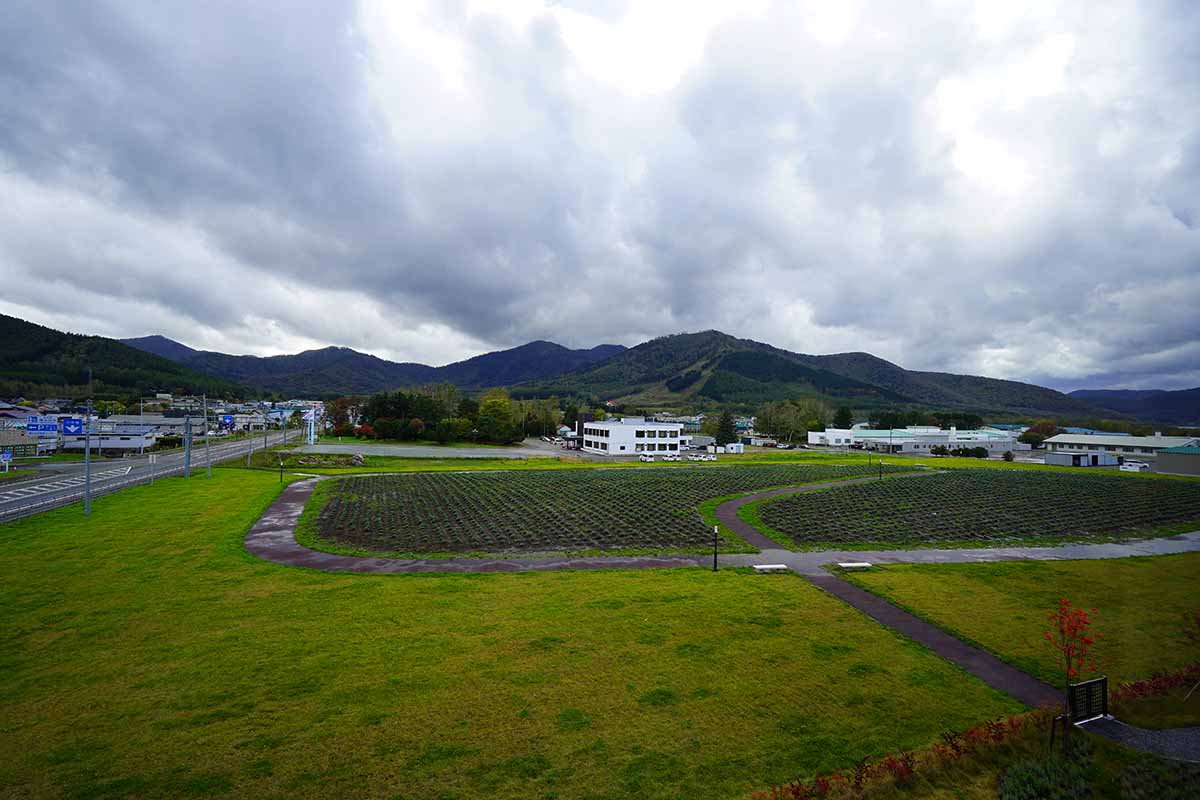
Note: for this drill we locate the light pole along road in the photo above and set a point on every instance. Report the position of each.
(65, 483)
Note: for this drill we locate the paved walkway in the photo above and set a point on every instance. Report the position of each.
(1179, 744)
(273, 539)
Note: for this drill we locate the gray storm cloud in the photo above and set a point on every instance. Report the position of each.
(1014, 197)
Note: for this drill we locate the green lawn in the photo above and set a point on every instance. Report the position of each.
(145, 653)
(1139, 602)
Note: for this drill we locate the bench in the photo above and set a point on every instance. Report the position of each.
(765, 569)
(854, 565)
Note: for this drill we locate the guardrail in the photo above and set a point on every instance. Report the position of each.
(66, 497)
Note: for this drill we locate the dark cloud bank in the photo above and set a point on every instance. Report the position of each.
(1016, 197)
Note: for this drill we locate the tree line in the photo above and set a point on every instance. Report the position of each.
(442, 413)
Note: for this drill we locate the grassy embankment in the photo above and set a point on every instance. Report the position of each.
(146, 653)
(1141, 606)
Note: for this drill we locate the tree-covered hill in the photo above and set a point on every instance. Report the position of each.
(37, 361)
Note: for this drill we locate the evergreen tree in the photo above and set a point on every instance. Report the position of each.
(843, 418)
(726, 432)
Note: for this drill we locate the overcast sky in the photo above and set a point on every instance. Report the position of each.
(1000, 188)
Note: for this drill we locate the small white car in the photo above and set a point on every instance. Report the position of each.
(1135, 466)
(646, 457)
(709, 457)
(670, 457)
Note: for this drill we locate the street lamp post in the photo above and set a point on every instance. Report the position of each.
(187, 447)
(207, 453)
(87, 456)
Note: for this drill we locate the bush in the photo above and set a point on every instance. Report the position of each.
(1008, 455)
(1154, 779)
(1054, 778)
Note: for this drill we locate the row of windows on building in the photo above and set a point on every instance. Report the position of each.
(1110, 448)
(638, 434)
(640, 448)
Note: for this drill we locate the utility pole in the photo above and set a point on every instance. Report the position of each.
(207, 454)
(87, 455)
(187, 447)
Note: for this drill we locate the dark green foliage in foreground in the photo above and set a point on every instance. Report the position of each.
(1056, 778)
(545, 510)
(982, 505)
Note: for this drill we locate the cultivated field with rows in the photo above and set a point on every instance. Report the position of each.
(986, 506)
(577, 510)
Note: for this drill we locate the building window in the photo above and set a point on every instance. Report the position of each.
(640, 448)
(640, 434)
(662, 434)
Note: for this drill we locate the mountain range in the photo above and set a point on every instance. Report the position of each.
(342, 371)
(712, 367)
(1180, 407)
(688, 370)
(36, 361)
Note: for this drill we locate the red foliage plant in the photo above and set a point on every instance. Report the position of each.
(900, 768)
(1071, 637)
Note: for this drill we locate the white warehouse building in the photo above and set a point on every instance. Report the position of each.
(630, 436)
(916, 439)
(1099, 450)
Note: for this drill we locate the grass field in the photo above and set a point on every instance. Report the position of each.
(979, 507)
(145, 653)
(1140, 605)
(621, 510)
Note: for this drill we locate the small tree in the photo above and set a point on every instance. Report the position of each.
(843, 418)
(1008, 455)
(1071, 637)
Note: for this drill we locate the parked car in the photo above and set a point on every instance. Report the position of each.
(709, 457)
(670, 457)
(646, 457)
(1134, 466)
(695, 457)
(783, 446)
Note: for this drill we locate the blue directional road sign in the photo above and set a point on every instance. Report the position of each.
(6, 455)
(226, 419)
(72, 425)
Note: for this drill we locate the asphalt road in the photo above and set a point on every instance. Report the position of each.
(62, 483)
(531, 448)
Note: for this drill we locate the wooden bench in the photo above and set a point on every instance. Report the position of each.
(765, 569)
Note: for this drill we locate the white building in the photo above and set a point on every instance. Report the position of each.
(631, 435)
(112, 436)
(1097, 450)
(916, 439)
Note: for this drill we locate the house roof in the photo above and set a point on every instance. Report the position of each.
(1186, 450)
(1113, 440)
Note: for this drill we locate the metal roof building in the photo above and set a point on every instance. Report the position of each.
(1179, 461)
(1077, 450)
